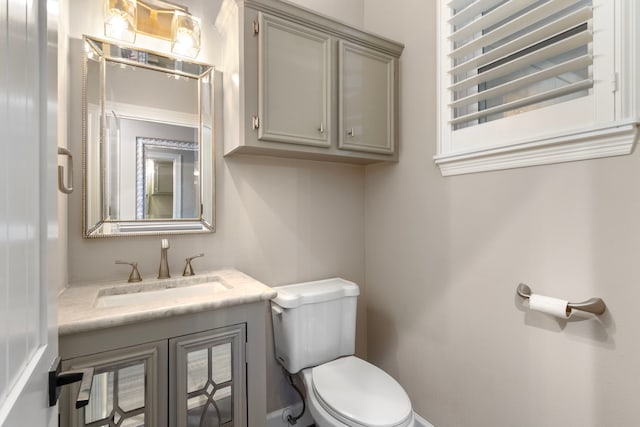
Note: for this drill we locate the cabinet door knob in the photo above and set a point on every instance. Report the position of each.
(321, 128)
(351, 132)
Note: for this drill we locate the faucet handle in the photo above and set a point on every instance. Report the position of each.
(135, 274)
(188, 270)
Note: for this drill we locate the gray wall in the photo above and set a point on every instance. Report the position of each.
(444, 257)
(278, 220)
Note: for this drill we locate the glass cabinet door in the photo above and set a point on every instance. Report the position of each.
(128, 390)
(207, 378)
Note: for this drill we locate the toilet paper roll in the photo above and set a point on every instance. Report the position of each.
(553, 306)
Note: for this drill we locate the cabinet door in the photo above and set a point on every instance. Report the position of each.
(129, 388)
(294, 83)
(366, 100)
(207, 386)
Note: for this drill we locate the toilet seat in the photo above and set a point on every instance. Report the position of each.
(359, 394)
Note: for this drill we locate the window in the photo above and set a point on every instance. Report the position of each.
(527, 82)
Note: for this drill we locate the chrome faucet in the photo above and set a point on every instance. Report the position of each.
(163, 271)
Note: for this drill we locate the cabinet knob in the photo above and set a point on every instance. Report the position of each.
(351, 132)
(321, 128)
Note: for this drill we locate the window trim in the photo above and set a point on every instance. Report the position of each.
(611, 133)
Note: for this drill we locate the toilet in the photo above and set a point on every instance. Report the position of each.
(314, 325)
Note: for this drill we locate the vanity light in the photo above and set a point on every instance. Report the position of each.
(185, 34)
(155, 18)
(120, 19)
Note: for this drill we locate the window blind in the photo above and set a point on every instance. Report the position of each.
(511, 56)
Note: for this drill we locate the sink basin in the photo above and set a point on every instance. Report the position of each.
(160, 291)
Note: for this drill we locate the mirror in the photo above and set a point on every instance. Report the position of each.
(147, 143)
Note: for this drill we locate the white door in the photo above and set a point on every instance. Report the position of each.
(28, 219)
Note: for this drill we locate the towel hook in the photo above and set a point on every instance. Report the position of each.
(592, 305)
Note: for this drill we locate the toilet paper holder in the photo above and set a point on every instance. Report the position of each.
(593, 305)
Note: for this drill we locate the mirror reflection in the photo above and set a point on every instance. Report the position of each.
(148, 143)
(166, 179)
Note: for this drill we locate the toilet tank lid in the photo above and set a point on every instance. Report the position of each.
(297, 294)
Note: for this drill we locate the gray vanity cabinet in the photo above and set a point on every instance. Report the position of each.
(129, 387)
(208, 378)
(191, 380)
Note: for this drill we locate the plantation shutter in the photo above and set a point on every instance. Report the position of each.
(507, 57)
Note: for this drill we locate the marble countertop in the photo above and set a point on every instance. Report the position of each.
(78, 310)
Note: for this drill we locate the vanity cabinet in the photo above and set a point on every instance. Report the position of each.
(201, 376)
(208, 378)
(177, 371)
(129, 387)
(306, 86)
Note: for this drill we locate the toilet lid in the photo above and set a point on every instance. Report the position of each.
(360, 393)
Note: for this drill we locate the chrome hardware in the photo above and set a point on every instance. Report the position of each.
(163, 271)
(188, 269)
(321, 128)
(593, 305)
(351, 132)
(63, 188)
(135, 274)
(255, 122)
(58, 379)
(256, 28)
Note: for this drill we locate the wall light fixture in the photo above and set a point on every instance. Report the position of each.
(123, 19)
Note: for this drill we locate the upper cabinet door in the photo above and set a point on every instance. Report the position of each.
(367, 99)
(294, 83)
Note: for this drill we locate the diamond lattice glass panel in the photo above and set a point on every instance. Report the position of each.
(101, 398)
(116, 417)
(197, 370)
(135, 421)
(200, 414)
(131, 390)
(221, 362)
(223, 400)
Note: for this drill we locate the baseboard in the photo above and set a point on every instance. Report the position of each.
(275, 418)
(421, 422)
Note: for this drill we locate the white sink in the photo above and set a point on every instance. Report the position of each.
(159, 291)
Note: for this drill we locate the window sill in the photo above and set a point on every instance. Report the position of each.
(614, 139)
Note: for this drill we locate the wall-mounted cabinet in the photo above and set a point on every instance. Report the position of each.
(294, 83)
(299, 84)
(366, 99)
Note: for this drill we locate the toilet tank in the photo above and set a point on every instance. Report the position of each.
(314, 322)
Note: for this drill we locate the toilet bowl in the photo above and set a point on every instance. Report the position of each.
(314, 335)
(351, 392)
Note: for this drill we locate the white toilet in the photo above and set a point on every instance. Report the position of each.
(314, 325)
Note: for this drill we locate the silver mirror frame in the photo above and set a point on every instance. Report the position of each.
(167, 64)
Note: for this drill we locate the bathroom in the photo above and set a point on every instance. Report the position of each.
(437, 258)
